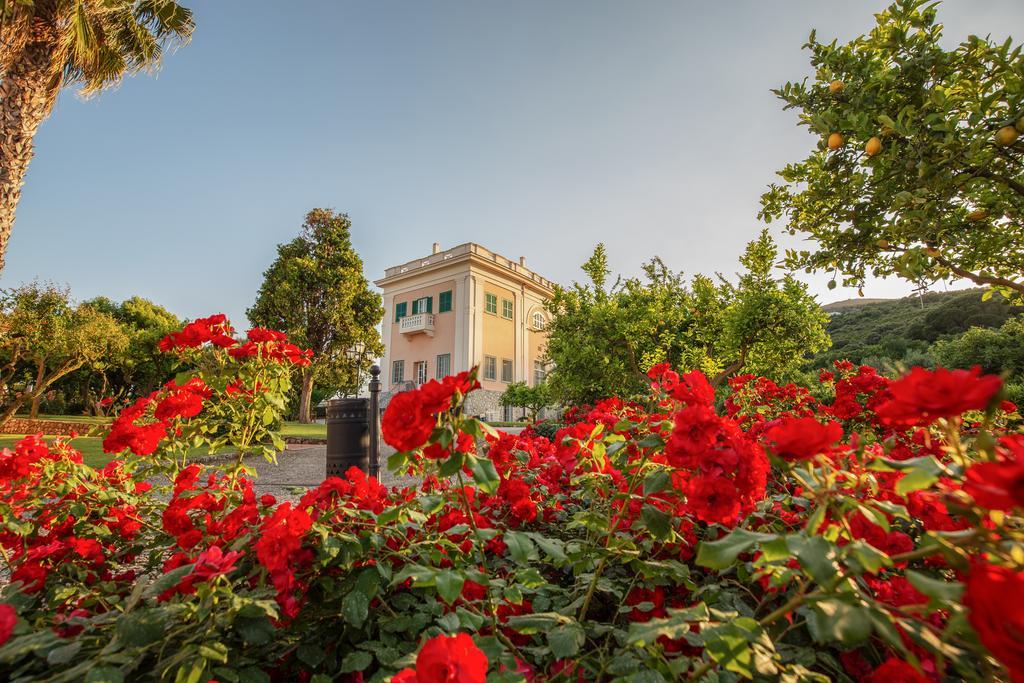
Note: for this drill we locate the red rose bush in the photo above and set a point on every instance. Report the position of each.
(761, 533)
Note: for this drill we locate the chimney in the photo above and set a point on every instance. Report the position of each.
(437, 248)
(522, 261)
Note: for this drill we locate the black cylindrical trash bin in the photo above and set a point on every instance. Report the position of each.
(348, 435)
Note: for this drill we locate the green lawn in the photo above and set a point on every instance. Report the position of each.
(92, 446)
(89, 419)
(303, 431)
(293, 429)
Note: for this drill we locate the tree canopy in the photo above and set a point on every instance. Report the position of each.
(602, 340)
(919, 166)
(44, 336)
(522, 395)
(316, 292)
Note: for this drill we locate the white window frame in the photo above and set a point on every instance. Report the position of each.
(507, 306)
(507, 363)
(443, 369)
(539, 373)
(488, 300)
(399, 376)
(420, 371)
(491, 368)
(538, 320)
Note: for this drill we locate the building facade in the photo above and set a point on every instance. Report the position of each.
(463, 307)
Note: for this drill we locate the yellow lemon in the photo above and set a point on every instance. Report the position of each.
(1006, 136)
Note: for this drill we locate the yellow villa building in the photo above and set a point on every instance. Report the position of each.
(464, 306)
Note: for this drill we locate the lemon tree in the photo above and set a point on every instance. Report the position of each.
(919, 168)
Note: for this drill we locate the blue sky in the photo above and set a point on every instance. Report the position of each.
(535, 128)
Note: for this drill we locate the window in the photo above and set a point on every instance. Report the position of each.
(444, 365)
(397, 371)
(491, 303)
(400, 310)
(422, 305)
(444, 302)
(538, 373)
(420, 368)
(538, 321)
(506, 370)
(506, 309)
(490, 368)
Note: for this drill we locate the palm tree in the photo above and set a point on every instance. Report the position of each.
(46, 45)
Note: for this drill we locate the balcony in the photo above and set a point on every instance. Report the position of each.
(417, 323)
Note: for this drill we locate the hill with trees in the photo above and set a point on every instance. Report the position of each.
(888, 333)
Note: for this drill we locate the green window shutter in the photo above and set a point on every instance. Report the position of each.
(444, 302)
(415, 306)
(400, 310)
(430, 304)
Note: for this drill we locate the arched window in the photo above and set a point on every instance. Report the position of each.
(538, 321)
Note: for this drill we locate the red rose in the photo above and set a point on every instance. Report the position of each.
(8, 619)
(694, 433)
(450, 659)
(802, 438)
(185, 401)
(923, 396)
(895, 670)
(714, 500)
(405, 425)
(995, 597)
(464, 382)
(261, 334)
(996, 485)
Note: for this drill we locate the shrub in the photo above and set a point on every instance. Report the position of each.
(876, 536)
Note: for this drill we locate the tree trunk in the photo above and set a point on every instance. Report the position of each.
(731, 370)
(27, 93)
(306, 397)
(36, 394)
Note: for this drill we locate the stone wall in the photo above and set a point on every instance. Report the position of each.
(480, 402)
(22, 425)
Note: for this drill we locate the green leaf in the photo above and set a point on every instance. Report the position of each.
(520, 547)
(167, 581)
(657, 522)
(920, 477)
(104, 674)
(485, 476)
(63, 654)
(657, 481)
(816, 555)
(730, 644)
(946, 591)
(534, 623)
(449, 585)
(723, 552)
(356, 661)
(311, 654)
(565, 640)
(355, 608)
(141, 627)
(254, 630)
(918, 473)
(552, 547)
(834, 620)
(675, 626)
